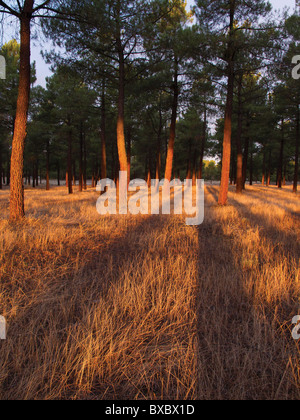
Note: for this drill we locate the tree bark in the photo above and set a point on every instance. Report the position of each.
(158, 148)
(203, 143)
(189, 162)
(121, 103)
(171, 144)
(269, 169)
(223, 196)
(58, 173)
(194, 176)
(128, 152)
(239, 146)
(17, 210)
(246, 153)
(48, 167)
(103, 134)
(280, 164)
(84, 163)
(81, 158)
(70, 184)
(264, 168)
(295, 186)
(1, 169)
(251, 164)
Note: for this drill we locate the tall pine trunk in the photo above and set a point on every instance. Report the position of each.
(223, 196)
(129, 154)
(203, 143)
(103, 134)
(280, 164)
(264, 168)
(246, 152)
(158, 147)
(121, 105)
(48, 166)
(70, 177)
(239, 146)
(17, 210)
(81, 158)
(1, 169)
(171, 144)
(295, 186)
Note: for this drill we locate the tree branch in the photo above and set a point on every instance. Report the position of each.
(41, 6)
(10, 10)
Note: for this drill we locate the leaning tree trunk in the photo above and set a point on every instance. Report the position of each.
(295, 187)
(17, 210)
(171, 144)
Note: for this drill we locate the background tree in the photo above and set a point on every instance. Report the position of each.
(220, 23)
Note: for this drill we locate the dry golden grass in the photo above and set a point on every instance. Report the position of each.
(146, 307)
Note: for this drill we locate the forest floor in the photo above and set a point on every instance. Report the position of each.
(145, 307)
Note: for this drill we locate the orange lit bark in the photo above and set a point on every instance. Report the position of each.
(226, 160)
(17, 210)
(48, 167)
(295, 186)
(121, 101)
(70, 184)
(280, 165)
(239, 172)
(81, 158)
(158, 150)
(170, 153)
(223, 196)
(203, 143)
(103, 135)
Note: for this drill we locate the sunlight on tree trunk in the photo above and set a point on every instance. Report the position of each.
(17, 211)
(171, 144)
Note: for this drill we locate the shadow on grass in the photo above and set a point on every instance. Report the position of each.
(75, 294)
(242, 355)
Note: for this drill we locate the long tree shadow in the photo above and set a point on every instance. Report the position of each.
(285, 241)
(240, 354)
(281, 205)
(78, 296)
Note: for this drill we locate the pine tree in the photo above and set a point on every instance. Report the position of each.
(220, 23)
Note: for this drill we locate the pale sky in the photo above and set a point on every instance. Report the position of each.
(43, 70)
